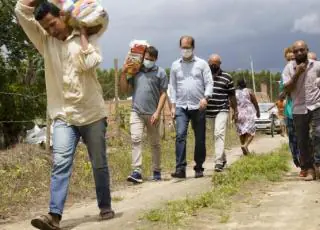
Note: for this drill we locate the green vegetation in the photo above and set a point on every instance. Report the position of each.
(254, 168)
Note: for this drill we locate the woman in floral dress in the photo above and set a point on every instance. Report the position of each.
(248, 110)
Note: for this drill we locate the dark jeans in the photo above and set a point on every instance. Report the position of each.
(293, 141)
(65, 140)
(309, 149)
(198, 121)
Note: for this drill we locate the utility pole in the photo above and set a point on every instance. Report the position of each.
(271, 88)
(116, 94)
(48, 133)
(253, 78)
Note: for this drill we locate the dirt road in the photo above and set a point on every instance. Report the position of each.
(136, 199)
(288, 205)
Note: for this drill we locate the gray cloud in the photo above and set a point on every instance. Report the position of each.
(235, 29)
(309, 24)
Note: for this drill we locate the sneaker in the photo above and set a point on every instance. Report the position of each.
(179, 174)
(135, 177)
(311, 175)
(303, 173)
(218, 168)
(199, 174)
(156, 176)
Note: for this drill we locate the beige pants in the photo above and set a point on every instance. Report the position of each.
(219, 124)
(137, 124)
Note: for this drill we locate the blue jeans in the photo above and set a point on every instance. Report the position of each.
(65, 140)
(293, 141)
(198, 121)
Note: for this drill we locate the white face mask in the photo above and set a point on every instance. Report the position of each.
(186, 53)
(148, 64)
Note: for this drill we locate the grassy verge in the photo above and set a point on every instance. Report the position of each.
(269, 167)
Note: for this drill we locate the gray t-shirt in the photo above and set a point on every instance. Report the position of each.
(147, 86)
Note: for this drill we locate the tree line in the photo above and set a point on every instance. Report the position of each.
(22, 82)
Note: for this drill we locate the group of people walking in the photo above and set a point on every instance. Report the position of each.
(200, 91)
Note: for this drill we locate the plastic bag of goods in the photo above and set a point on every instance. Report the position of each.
(135, 56)
(87, 13)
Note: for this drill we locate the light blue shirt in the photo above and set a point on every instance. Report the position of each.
(190, 81)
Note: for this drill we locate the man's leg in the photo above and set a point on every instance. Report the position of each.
(301, 122)
(182, 122)
(136, 129)
(293, 142)
(219, 134)
(154, 139)
(65, 140)
(94, 136)
(316, 136)
(198, 119)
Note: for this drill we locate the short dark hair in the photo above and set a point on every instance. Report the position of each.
(242, 83)
(189, 38)
(152, 51)
(45, 8)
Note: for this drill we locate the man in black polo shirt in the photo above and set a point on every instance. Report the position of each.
(218, 108)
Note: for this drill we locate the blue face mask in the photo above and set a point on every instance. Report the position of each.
(148, 64)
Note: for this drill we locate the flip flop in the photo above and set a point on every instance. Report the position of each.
(44, 222)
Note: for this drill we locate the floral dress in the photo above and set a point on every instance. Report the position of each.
(246, 113)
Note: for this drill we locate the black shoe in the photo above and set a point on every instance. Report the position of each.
(224, 163)
(179, 174)
(218, 168)
(198, 174)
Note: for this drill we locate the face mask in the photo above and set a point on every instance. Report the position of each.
(148, 64)
(186, 53)
(214, 69)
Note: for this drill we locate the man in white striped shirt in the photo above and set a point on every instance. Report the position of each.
(218, 108)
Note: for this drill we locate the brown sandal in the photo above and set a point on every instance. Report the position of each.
(44, 222)
(106, 215)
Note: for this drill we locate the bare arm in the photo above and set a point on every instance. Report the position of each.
(162, 101)
(156, 116)
(233, 103)
(255, 103)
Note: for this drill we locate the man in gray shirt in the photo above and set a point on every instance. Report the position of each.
(191, 85)
(300, 79)
(149, 88)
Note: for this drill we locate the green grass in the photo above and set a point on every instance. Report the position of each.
(25, 170)
(269, 167)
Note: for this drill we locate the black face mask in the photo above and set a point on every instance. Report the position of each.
(214, 69)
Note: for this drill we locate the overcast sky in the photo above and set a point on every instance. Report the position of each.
(235, 29)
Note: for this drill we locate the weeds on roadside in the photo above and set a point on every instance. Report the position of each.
(268, 167)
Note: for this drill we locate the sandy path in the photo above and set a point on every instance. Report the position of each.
(136, 199)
